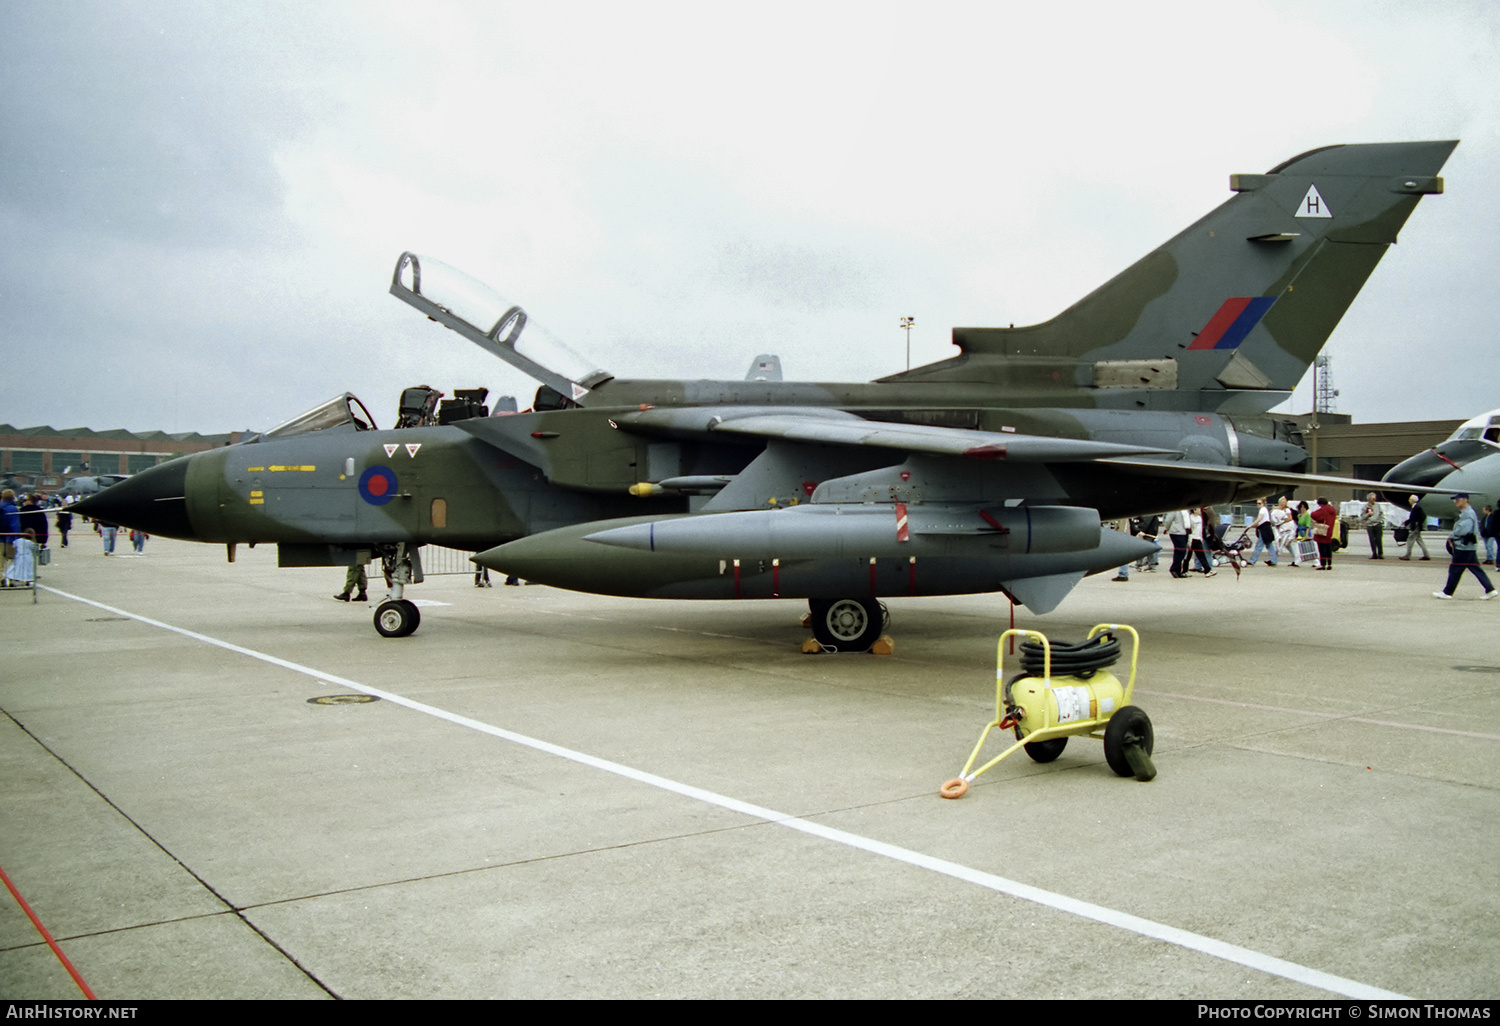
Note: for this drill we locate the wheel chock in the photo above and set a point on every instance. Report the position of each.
(811, 646)
(1140, 762)
(884, 645)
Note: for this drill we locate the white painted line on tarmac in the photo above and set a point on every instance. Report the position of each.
(1061, 902)
(1322, 715)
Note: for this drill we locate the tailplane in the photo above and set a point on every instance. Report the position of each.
(1227, 315)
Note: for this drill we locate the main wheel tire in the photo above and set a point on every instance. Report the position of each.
(846, 624)
(1129, 726)
(396, 619)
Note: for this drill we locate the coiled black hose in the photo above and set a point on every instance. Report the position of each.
(1071, 660)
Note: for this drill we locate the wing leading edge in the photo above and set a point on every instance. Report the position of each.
(836, 427)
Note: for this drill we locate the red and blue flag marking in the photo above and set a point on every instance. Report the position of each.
(1235, 320)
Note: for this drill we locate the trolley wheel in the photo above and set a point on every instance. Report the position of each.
(397, 619)
(1128, 741)
(1040, 751)
(1046, 751)
(955, 788)
(846, 624)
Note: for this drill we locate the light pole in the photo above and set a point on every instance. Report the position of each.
(907, 322)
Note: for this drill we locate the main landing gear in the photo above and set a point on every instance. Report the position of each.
(846, 624)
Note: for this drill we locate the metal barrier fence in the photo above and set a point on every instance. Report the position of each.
(438, 560)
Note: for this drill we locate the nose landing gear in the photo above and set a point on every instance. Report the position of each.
(396, 618)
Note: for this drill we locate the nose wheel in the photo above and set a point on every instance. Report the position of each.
(397, 618)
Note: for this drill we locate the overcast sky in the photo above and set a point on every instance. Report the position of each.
(202, 203)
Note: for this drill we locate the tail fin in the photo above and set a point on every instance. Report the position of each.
(765, 367)
(1228, 315)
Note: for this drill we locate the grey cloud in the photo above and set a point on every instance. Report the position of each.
(136, 121)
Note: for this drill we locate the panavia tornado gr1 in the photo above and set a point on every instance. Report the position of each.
(987, 472)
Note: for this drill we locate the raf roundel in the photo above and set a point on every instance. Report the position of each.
(377, 485)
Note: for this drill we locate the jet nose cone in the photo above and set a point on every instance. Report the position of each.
(1426, 468)
(154, 501)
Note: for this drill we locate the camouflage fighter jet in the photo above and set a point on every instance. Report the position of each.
(990, 471)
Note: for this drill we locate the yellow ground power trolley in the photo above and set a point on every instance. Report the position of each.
(1044, 711)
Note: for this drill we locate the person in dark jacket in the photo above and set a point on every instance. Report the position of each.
(64, 525)
(33, 516)
(1414, 525)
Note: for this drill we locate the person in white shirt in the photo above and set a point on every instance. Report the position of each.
(1265, 535)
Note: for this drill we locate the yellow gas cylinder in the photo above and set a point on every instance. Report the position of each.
(1069, 700)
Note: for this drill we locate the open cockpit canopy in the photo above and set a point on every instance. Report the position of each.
(490, 321)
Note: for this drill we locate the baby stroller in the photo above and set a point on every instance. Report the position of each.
(1235, 552)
